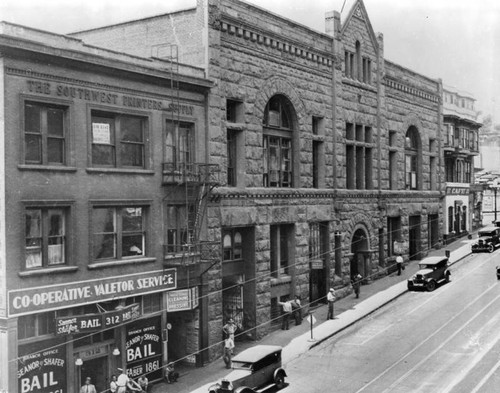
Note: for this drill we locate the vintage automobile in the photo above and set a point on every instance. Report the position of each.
(489, 239)
(256, 368)
(433, 271)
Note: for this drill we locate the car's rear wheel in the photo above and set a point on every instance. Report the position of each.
(279, 380)
(431, 285)
(491, 248)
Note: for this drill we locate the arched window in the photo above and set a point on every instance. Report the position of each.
(358, 72)
(412, 159)
(277, 142)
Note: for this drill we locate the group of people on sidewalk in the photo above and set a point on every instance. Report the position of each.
(291, 308)
(123, 383)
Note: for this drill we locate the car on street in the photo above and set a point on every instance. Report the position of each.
(489, 240)
(432, 271)
(256, 368)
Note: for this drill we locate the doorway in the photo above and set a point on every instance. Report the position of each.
(97, 369)
(359, 249)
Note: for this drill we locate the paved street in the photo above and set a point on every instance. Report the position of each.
(444, 341)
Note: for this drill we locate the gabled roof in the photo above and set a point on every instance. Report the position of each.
(358, 10)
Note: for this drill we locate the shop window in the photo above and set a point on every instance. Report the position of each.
(35, 325)
(281, 239)
(179, 145)
(118, 232)
(45, 134)
(277, 142)
(180, 227)
(45, 237)
(149, 303)
(118, 140)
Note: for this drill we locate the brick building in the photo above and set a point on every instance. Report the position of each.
(331, 157)
(87, 182)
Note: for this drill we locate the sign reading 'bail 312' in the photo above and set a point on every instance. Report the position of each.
(93, 322)
(53, 297)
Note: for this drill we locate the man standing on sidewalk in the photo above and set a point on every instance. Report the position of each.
(286, 312)
(331, 299)
(399, 263)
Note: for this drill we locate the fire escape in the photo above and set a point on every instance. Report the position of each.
(188, 182)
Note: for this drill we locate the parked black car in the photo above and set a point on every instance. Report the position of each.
(433, 271)
(489, 240)
(256, 368)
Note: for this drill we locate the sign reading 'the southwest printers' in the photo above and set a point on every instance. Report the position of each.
(53, 297)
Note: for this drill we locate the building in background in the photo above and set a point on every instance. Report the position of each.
(462, 203)
(90, 209)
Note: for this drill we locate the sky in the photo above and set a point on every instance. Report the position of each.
(455, 40)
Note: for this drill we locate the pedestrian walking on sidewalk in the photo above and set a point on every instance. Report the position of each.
(297, 310)
(356, 284)
(399, 263)
(285, 314)
(331, 299)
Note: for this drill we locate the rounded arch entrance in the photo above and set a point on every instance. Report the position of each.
(360, 250)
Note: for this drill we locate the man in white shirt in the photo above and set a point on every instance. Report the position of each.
(331, 299)
(399, 263)
(287, 311)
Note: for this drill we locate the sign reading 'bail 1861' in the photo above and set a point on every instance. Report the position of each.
(143, 348)
(41, 367)
(93, 322)
(53, 297)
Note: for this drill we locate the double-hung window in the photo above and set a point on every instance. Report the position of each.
(45, 237)
(179, 144)
(45, 134)
(180, 227)
(119, 232)
(118, 140)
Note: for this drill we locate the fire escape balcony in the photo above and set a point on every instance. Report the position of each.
(190, 173)
(193, 256)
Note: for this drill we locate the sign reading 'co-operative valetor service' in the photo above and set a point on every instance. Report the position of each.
(52, 297)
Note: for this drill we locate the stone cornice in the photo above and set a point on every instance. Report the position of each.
(294, 193)
(277, 42)
(408, 89)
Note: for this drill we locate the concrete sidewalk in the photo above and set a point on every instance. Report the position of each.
(297, 340)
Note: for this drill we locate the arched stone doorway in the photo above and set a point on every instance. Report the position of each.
(360, 249)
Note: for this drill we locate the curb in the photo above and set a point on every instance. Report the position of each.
(323, 339)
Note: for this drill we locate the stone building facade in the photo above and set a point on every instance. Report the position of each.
(331, 157)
